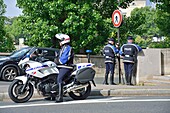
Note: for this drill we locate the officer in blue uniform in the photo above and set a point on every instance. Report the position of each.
(64, 60)
(129, 52)
(109, 52)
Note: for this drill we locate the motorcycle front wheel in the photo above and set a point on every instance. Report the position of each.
(81, 94)
(15, 93)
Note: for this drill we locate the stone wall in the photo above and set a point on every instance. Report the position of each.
(165, 61)
(151, 62)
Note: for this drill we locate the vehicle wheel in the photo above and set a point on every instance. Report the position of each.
(15, 94)
(81, 94)
(9, 73)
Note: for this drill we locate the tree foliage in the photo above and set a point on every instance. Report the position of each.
(163, 5)
(141, 25)
(163, 23)
(163, 16)
(86, 22)
(142, 22)
(145, 23)
(13, 26)
(2, 18)
(6, 41)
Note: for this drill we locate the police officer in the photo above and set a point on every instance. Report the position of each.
(64, 60)
(109, 52)
(129, 52)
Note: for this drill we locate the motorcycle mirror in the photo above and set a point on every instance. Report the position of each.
(44, 52)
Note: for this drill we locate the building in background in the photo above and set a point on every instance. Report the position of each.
(137, 4)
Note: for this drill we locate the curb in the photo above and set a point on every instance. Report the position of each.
(131, 92)
(116, 92)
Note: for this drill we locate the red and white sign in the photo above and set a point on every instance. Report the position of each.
(117, 18)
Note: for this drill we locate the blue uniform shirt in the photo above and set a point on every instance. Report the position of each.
(138, 47)
(130, 51)
(109, 52)
(65, 54)
(113, 48)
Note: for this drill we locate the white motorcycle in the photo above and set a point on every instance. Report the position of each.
(41, 74)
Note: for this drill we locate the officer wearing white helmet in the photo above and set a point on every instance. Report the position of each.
(64, 60)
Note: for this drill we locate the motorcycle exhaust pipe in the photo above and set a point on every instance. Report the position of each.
(76, 87)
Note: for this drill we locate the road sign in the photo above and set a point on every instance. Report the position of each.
(117, 18)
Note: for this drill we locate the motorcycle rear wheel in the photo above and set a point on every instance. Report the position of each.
(81, 94)
(15, 94)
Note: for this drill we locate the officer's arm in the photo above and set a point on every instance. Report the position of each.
(121, 51)
(65, 55)
(139, 48)
(103, 53)
(116, 50)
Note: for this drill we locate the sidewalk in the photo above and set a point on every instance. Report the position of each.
(123, 90)
(158, 86)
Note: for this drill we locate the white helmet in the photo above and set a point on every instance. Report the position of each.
(63, 38)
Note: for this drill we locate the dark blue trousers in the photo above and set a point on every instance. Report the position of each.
(62, 73)
(110, 68)
(128, 71)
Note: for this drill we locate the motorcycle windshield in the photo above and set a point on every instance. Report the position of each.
(28, 55)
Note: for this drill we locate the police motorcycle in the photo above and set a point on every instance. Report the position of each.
(40, 74)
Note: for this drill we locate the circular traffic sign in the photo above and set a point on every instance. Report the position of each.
(117, 18)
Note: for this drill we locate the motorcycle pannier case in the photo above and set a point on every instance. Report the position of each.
(85, 74)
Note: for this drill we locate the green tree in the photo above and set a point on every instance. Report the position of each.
(85, 21)
(6, 40)
(163, 5)
(142, 22)
(163, 22)
(163, 16)
(2, 18)
(14, 28)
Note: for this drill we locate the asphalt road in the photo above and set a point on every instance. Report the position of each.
(91, 105)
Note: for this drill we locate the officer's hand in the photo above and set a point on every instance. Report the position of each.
(56, 60)
(121, 57)
(117, 45)
(118, 55)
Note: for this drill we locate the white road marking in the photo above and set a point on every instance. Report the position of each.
(108, 100)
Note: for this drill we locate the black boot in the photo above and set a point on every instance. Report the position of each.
(127, 80)
(105, 80)
(112, 79)
(59, 98)
(130, 80)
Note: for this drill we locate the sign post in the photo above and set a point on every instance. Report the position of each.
(117, 19)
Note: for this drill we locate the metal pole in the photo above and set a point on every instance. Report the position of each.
(118, 36)
(88, 55)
